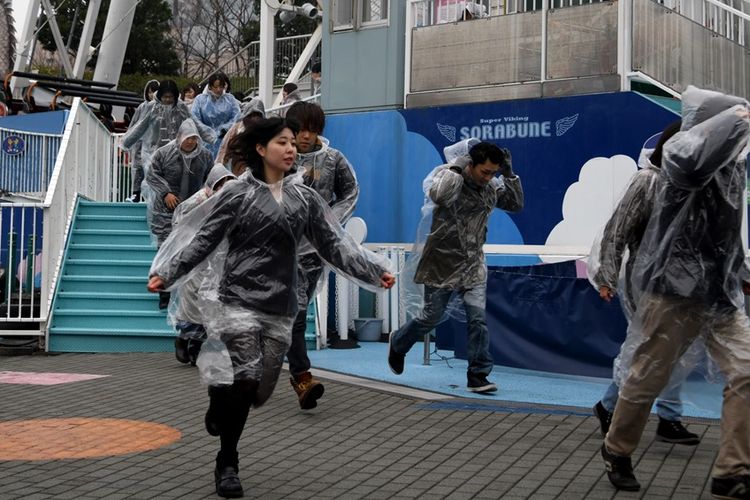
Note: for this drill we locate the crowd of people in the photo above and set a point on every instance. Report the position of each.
(247, 213)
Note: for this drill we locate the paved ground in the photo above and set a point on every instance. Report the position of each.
(361, 442)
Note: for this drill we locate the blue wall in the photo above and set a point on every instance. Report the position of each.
(392, 152)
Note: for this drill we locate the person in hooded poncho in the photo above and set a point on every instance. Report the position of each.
(462, 194)
(149, 92)
(328, 172)
(216, 108)
(262, 218)
(178, 170)
(250, 111)
(687, 283)
(158, 124)
(621, 238)
(188, 318)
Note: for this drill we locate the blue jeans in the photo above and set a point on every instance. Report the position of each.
(435, 303)
(668, 405)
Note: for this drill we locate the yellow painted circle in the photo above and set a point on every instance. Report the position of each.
(56, 438)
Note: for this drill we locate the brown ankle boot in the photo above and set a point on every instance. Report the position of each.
(308, 390)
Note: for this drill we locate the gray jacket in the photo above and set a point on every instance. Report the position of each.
(172, 171)
(453, 255)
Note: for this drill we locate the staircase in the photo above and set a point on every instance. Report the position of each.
(101, 304)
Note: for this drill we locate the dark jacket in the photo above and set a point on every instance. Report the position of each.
(453, 255)
(261, 265)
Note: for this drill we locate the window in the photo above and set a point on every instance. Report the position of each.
(374, 11)
(355, 14)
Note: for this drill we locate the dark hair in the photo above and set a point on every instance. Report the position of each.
(668, 132)
(220, 76)
(289, 87)
(484, 151)
(152, 86)
(308, 116)
(190, 86)
(259, 131)
(315, 68)
(168, 87)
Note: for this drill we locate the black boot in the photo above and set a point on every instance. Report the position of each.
(620, 471)
(164, 300)
(225, 475)
(181, 351)
(193, 350)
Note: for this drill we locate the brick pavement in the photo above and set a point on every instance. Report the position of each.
(359, 443)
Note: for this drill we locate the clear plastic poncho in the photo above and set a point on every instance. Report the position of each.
(262, 226)
(216, 112)
(687, 273)
(186, 304)
(158, 124)
(448, 251)
(255, 105)
(181, 173)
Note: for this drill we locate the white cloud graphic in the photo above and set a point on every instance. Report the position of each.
(589, 202)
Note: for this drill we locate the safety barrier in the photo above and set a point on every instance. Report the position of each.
(27, 160)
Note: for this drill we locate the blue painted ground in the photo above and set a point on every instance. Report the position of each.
(448, 376)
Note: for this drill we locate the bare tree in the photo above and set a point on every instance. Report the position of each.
(208, 33)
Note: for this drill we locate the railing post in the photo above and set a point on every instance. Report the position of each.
(543, 70)
(624, 42)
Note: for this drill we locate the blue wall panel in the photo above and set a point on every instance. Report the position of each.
(551, 139)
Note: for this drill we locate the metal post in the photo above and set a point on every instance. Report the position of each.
(624, 42)
(24, 46)
(410, 5)
(267, 42)
(543, 69)
(115, 41)
(62, 52)
(342, 307)
(82, 56)
(12, 261)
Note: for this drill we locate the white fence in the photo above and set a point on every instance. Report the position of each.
(32, 235)
(727, 18)
(27, 160)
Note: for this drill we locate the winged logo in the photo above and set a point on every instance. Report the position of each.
(564, 124)
(447, 131)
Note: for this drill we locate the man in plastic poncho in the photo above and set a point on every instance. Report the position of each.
(329, 173)
(159, 123)
(464, 194)
(620, 240)
(188, 319)
(177, 171)
(688, 281)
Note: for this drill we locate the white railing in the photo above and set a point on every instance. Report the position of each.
(120, 164)
(82, 169)
(281, 110)
(243, 67)
(725, 17)
(27, 160)
(21, 259)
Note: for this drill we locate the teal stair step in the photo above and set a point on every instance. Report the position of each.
(121, 332)
(114, 221)
(93, 343)
(111, 252)
(104, 208)
(111, 236)
(109, 320)
(98, 267)
(98, 284)
(130, 302)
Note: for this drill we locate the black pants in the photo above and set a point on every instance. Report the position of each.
(297, 354)
(231, 405)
